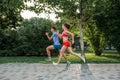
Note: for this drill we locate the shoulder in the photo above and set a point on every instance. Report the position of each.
(66, 31)
(54, 33)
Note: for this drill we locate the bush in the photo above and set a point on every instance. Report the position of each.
(10, 39)
(27, 40)
(34, 34)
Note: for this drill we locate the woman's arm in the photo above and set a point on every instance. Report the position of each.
(72, 35)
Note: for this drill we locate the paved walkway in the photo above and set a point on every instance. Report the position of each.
(37, 71)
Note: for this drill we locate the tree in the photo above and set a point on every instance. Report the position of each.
(77, 13)
(9, 18)
(95, 38)
(109, 20)
(10, 13)
(113, 24)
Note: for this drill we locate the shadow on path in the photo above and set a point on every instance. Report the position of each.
(85, 73)
(82, 73)
(60, 74)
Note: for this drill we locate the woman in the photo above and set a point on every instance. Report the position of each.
(66, 43)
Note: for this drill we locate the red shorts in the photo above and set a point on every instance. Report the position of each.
(66, 43)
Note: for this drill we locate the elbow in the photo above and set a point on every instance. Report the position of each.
(50, 39)
(72, 34)
(60, 37)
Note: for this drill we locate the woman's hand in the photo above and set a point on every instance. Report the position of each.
(73, 41)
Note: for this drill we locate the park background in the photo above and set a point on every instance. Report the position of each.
(23, 40)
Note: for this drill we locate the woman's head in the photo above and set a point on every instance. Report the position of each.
(65, 26)
(53, 29)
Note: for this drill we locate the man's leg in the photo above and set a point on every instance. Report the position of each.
(51, 47)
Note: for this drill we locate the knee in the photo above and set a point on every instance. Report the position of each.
(61, 52)
(47, 48)
(71, 53)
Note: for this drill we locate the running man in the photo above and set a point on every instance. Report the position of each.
(66, 43)
(56, 44)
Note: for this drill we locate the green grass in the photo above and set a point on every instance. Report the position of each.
(90, 58)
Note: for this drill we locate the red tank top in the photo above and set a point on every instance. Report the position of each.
(64, 34)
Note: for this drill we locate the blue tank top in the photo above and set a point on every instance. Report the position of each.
(55, 38)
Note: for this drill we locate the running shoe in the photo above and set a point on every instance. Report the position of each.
(68, 63)
(55, 63)
(83, 58)
(48, 59)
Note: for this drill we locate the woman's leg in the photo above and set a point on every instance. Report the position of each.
(72, 53)
(64, 56)
(61, 53)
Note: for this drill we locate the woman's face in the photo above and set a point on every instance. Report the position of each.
(63, 27)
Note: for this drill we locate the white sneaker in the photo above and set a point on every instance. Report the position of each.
(83, 58)
(55, 63)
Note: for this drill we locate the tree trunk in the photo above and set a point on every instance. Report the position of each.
(81, 30)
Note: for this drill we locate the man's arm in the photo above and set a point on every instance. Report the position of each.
(59, 35)
(50, 38)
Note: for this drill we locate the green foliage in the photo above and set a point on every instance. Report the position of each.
(95, 38)
(10, 13)
(27, 40)
(34, 34)
(108, 22)
(100, 23)
(94, 11)
(10, 40)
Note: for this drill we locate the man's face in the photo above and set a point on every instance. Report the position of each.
(52, 29)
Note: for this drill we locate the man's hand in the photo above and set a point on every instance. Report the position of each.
(46, 33)
(57, 31)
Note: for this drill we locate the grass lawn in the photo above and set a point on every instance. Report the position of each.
(90, 58)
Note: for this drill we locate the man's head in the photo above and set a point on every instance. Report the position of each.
(53, 29)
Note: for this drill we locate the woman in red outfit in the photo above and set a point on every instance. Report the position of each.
(66, 43)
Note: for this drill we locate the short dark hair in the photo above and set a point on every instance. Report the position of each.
(67, 25)
(53, 28)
